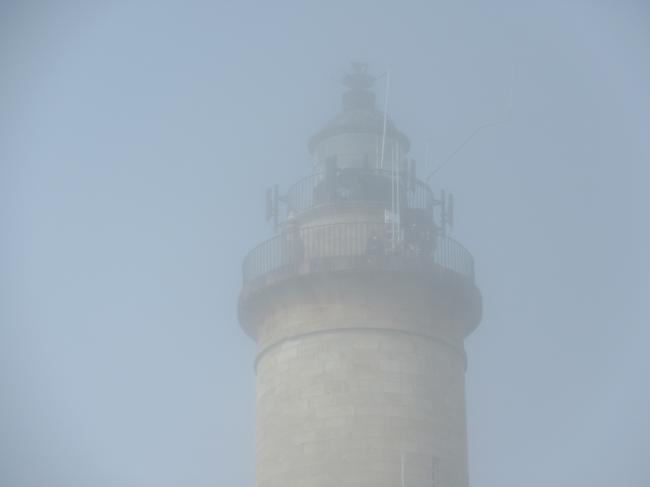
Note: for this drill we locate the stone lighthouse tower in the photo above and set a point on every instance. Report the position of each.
(359, 307)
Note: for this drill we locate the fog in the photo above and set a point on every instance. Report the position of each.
(137, 140)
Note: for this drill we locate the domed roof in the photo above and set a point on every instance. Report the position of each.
(359, 114)
(359, 122)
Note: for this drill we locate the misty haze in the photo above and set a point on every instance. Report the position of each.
(340, 243)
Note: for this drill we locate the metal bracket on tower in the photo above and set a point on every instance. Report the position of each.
(273, 205)
(446, 211)
(412, 176)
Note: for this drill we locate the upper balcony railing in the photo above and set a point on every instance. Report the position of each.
(353, 245)
(352, 184)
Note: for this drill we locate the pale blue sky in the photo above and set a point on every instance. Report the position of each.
(136, 141)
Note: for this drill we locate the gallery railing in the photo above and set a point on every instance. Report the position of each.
(371, 240)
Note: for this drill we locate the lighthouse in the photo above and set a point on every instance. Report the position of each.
(359, 306)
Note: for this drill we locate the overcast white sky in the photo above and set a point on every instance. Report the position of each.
(136, 141)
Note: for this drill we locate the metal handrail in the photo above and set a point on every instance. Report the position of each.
(293, 248)
(353, 184)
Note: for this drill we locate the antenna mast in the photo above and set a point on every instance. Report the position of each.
(383, 137)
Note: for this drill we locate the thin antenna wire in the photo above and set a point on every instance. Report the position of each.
(383, 137)
(377, 153)
(505, 121)
(392, 197)
(392, 202)
(426, 157)
(397, 188)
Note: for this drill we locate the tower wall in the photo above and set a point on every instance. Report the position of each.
(357, 376)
